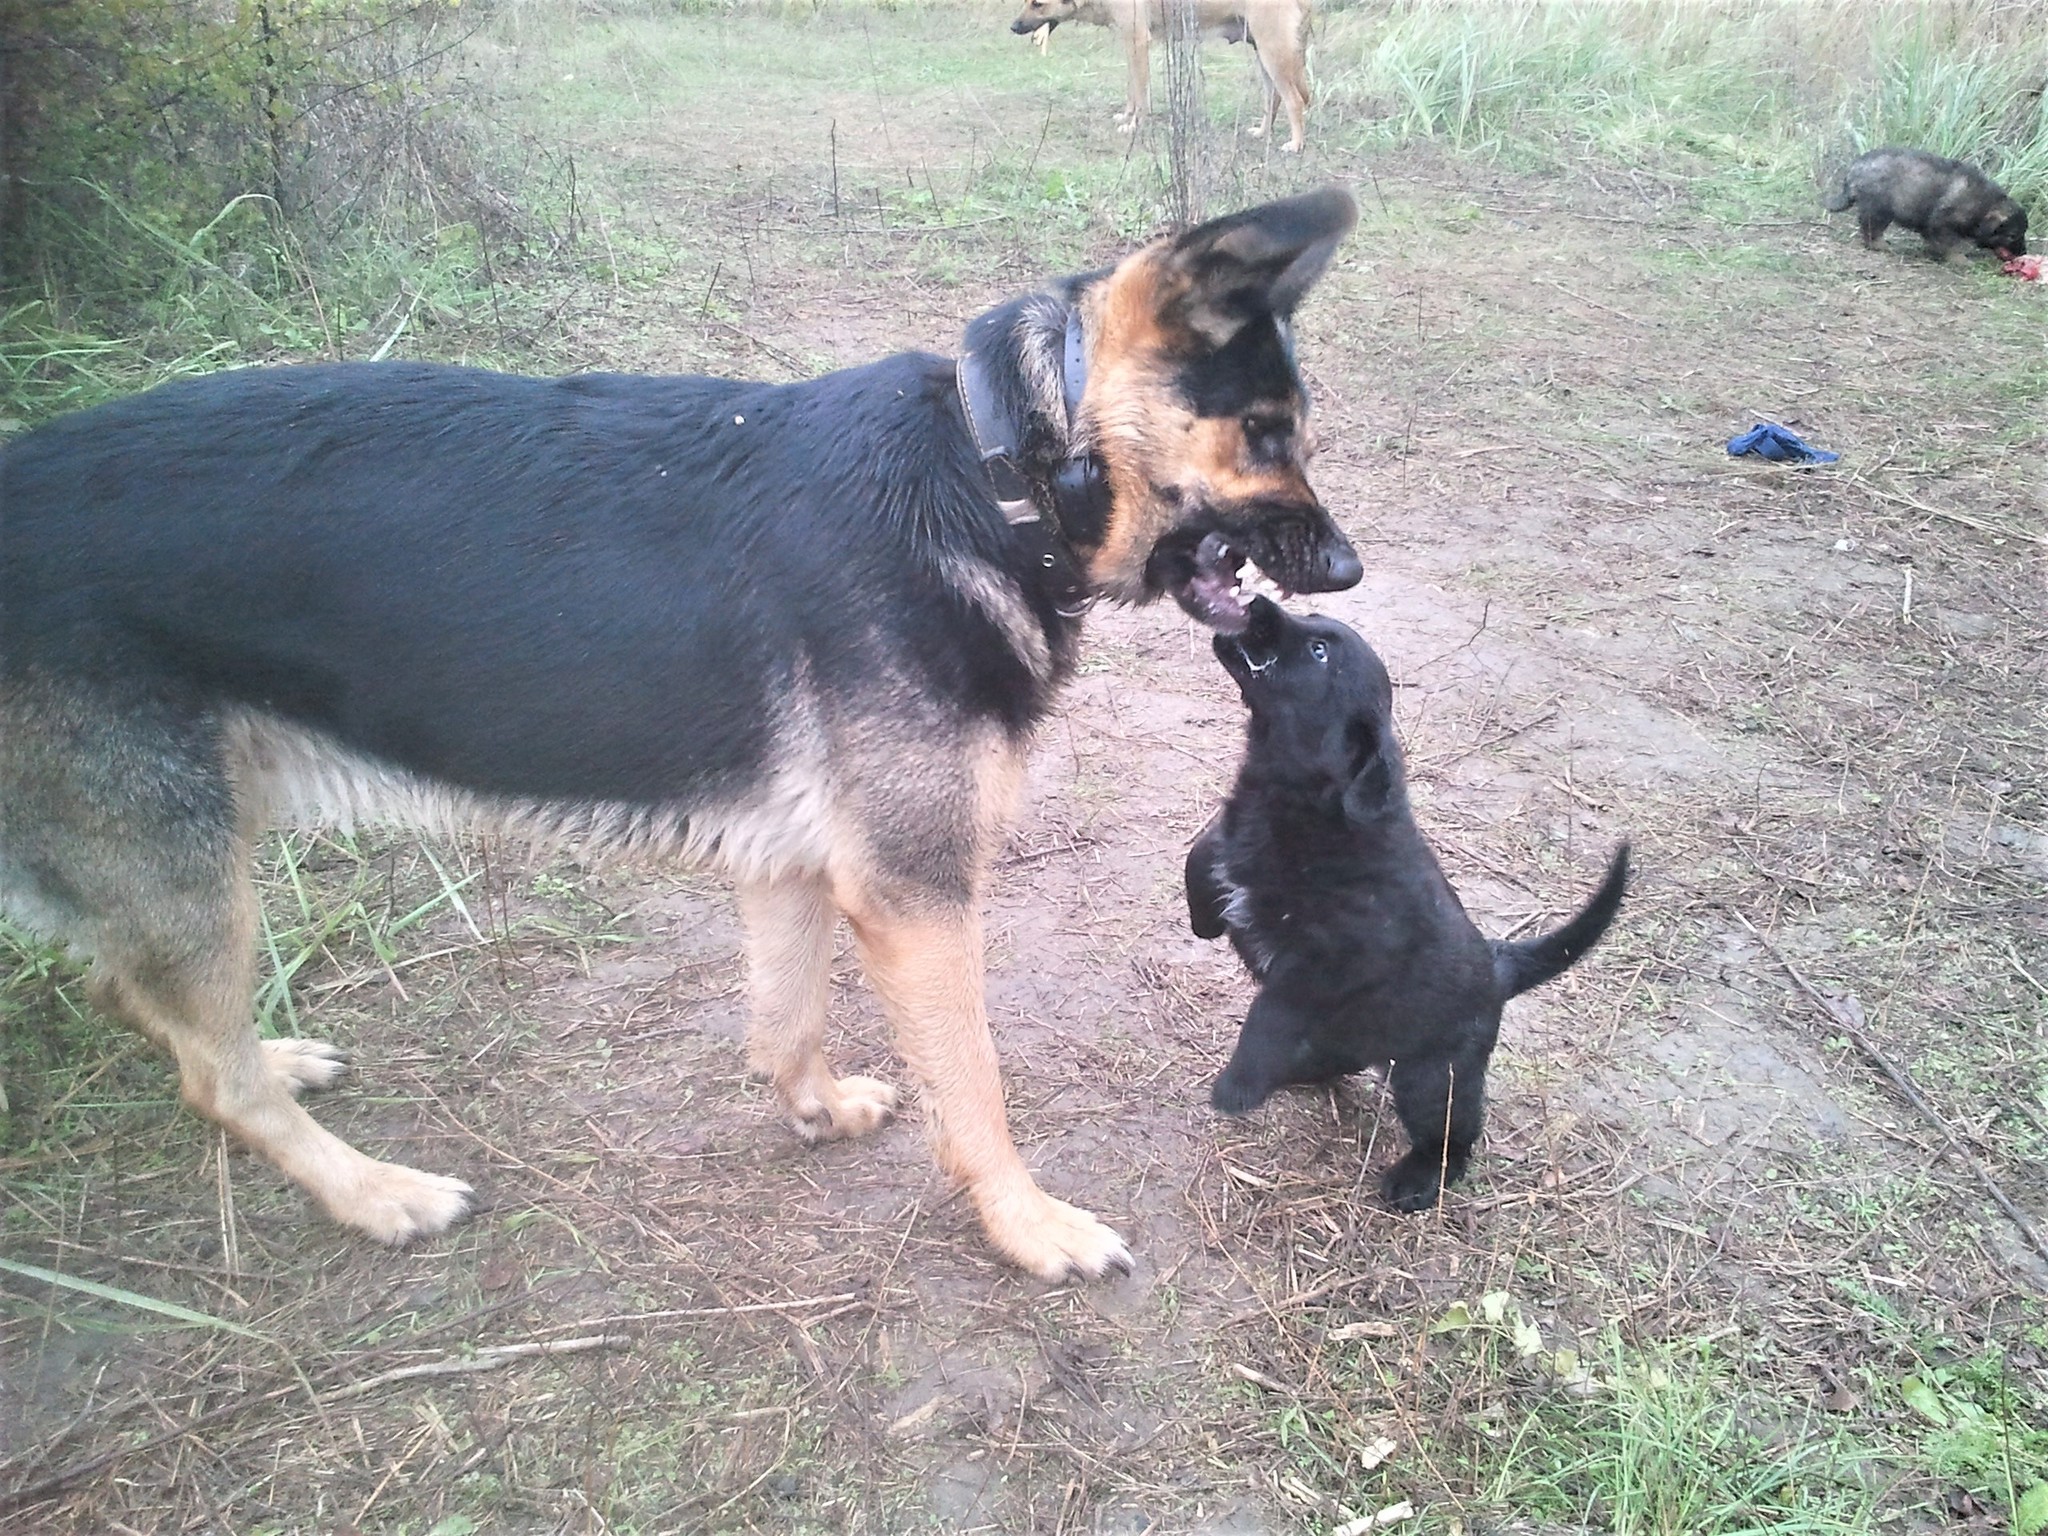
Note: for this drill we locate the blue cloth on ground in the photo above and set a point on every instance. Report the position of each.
(1768, 440)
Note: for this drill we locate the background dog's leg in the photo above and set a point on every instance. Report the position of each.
(1296, 92)
(789, 974)
(1140, 77)
(1948, 246)
(191, 987)
(926, 968)
(1269, 94)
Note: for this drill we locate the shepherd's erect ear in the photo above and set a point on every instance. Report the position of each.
(1235, 269)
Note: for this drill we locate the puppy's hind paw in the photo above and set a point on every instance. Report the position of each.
(1418, 1181)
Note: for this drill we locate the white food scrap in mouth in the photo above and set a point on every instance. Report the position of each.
(1224, 581)
(1253, 582)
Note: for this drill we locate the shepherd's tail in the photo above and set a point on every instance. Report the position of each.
(1518, 967)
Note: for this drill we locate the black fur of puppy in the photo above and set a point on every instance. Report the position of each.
(1949, 203)
(1335, 903)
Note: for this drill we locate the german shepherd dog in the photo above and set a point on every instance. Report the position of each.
(801, 632)
(1948, 203)
(1363, 954)
(1276, 29)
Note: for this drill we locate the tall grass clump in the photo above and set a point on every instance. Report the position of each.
(1974, 93)
(1485, 76)
(1762, 89)
(185, 182)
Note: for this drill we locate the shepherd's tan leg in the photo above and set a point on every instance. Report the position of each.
(192, 989)
(789, 976)
(927, 969)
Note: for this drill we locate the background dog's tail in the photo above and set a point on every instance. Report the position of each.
(1518, 967)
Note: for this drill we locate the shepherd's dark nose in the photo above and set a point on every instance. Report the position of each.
(1331, 564)
(1342, 568)
(1022, 25)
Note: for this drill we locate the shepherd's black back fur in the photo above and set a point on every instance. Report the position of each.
(566, 504)
(1363, 954)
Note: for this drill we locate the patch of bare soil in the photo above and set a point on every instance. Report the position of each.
(1811, 698)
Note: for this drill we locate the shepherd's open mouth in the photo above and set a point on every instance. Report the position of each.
(1223, 582)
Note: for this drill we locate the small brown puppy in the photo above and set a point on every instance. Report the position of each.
(1948, 203)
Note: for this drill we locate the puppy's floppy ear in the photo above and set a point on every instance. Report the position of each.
(1236, 269)
(1373, 769)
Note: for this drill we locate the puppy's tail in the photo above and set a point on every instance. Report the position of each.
(1518, 967)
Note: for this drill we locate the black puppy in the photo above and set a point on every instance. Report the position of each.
(1317, 871)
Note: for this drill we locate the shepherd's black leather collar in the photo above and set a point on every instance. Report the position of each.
(1029, 502)
(997, 432)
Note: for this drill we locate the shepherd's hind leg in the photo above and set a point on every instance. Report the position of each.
(193, 992)
(789, 925)
(304, 1065)
(119, 834)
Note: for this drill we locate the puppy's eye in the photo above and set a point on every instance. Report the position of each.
(1319, 650)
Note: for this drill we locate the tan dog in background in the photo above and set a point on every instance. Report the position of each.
(1277, 30)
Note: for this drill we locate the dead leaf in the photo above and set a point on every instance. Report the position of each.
(501, 1272)
(919, 1414)
(1365, 1330)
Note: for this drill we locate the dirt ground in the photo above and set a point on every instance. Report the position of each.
(1812, 699)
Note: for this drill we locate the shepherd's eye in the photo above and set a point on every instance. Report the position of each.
(1319, 650)
(1264, 436)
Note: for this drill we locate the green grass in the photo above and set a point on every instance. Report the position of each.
(1751, 97)
(1662, 1443)
(1704, 90)
(1667, 1438)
